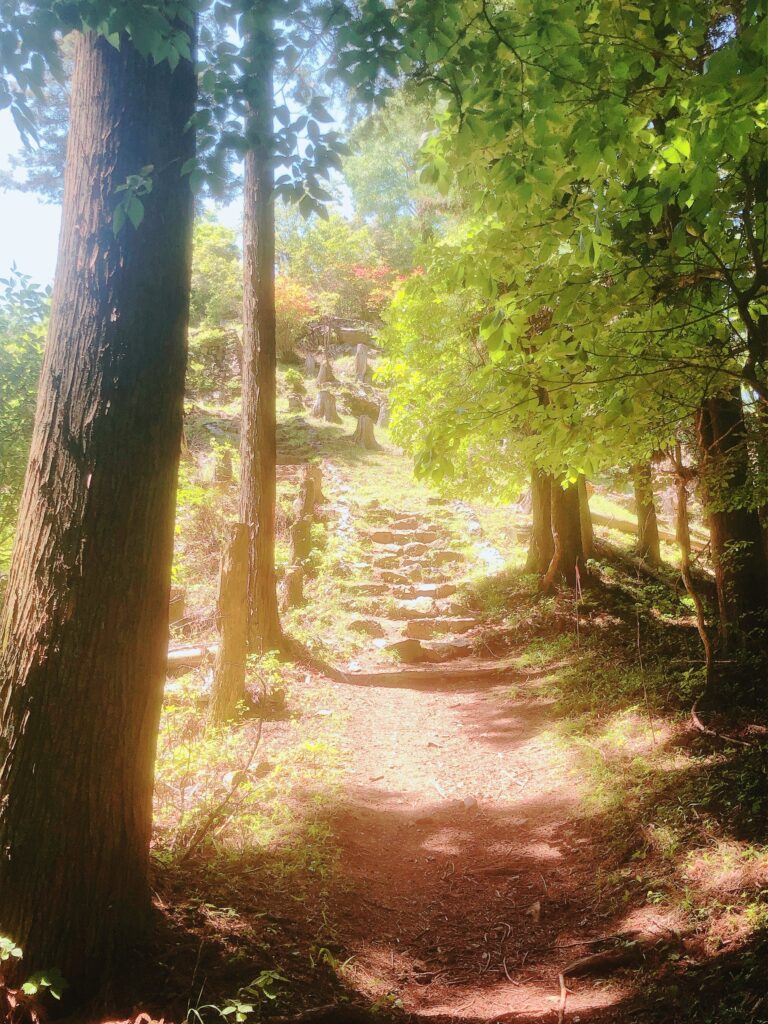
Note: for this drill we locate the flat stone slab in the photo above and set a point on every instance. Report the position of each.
(371, 589)
(425, 629)
(436, 591)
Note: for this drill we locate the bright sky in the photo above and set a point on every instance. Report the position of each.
(29, 228)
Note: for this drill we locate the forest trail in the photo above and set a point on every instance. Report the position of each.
(471, 879)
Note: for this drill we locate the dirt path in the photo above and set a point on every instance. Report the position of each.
(472, 880)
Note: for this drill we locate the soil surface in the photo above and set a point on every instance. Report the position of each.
(472, 878)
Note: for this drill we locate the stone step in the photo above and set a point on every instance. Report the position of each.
(419, 608)
(425, 629)
(434, 590)
(414, 652)
(371, 589)
(394, 579)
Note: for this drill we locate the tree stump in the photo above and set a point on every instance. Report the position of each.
(293, 587)
(232, 615)
(301, 539)
(383, 420)
(361, 362)
(325, 374)
(310, 365)
(222, 468)
(295, 402)
(325, 407)
(363, 436)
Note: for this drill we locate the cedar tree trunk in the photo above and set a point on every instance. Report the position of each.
(228, 688)
(84, 633)
(258, 444)
(648, 547)
(738, 555)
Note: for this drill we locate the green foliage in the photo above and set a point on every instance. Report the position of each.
(23, 308)
(215, 309)
(608, 190)
(51, 981)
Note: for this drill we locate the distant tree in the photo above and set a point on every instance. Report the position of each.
(83, 634)
(23, 309)
(215, 309)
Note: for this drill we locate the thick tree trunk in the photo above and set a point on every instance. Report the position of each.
(738, 555)
(585, 519)
(648, 547)
(258, 444)
(84, 634)
(541, 546)
(566, 530)
(229, 678)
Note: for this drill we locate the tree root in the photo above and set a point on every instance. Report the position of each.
(706, 731)
(294, 650)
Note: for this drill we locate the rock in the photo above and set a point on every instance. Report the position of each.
(424, 629)
(415, 548)
(420, 608)
(425, 536)
(396, 578)
(442, 651)
(408, 651)
(381, 537)
(368, 626)
(446, 557)
(469, 803)
(386, 562)
(371, 589)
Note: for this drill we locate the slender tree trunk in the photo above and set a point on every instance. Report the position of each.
(585, 519)
(84, 633)
(648, 547)
(738, 555)
(541, 546)
(258, 445)
(229, 678)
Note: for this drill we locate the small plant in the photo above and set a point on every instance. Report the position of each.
(22, 1003)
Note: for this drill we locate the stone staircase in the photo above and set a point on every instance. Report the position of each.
(411, 600)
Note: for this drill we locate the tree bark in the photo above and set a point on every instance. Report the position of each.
(325, 407)
(361, 362)
(258, 444)
(84, 632)
(648, 547)
(585, 519)
(738, 555)
(566, 529)
(229, 678)
(325, 374)
(541, 546)
(364, 436)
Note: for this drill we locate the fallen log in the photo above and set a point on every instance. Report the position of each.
(182, 658)
(630, 526)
